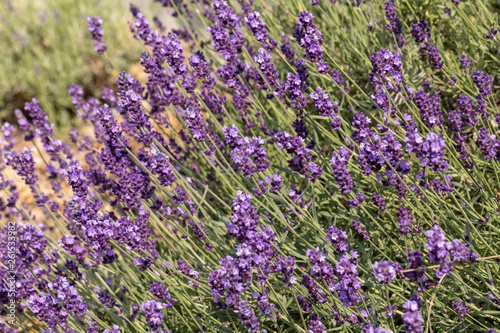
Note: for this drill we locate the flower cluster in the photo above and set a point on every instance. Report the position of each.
(96, 33)
(483, 83)
(54, 310)
(152, 311)
(302, 159)
(405, 222)
(309, 37)
(420, 31)
(429, 108)
(432, 54)
(361, 230)
(385, 271)
(440, 249)
(340, 173)
(412, 318)
(337, 238)
(395, 23)
(460, 308)
(348, 283)
(248, 155)
(23, 164)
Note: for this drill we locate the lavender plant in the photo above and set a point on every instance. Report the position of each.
(312, 173)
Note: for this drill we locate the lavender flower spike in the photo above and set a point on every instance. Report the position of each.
(96, 33)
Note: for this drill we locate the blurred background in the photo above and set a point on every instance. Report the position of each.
(45, 47)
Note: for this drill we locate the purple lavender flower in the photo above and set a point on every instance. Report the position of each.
(395, 23)
(316, 326)
(24, 124)
(340, 173)
(361, 229)
(292, 88)
(323, 105)
(286, 266)
(320, 269)
(405, 221)
(455, 121)
(222, 42)
(337, 77)
(432, 54)
(184, 268)
(104, 298)
(466, 108)
(275, 182)
(460, 308)
(482, 108)
(225, 14)
(54, 310)
(287, 48)
(76, 93)
(232, 137)
(248, 155)
(360, 198)
(465, 105)
(316, 294)
(362, 130)
(39, 118)
(379, 202)
(489, 144)
(386, 63)
(483, 82)
(247, 316)
(159, 164)
(161, 292)
(337, 237)
(492, 33)
(199, 66)
(433, 149)
(244, 218)
(417, 275)
(257, 26)
(465, 61)
(152, 311)
(348, 283)
(429, 108)
(438, 248)
(96, 33)
(420, 31)
(412, 318)
(461, 251)
(23, 163)
(315, 171)
(453, 80)
(302, 159)
(385, 271)
(265, 307)
(194, 121)
(309, 37)
(264, 60)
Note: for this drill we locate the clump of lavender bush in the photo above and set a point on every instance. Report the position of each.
(333, 169)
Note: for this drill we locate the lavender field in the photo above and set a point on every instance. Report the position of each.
(276, 166)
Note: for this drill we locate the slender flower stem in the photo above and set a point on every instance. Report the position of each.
(431, 303)
(437, 266)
